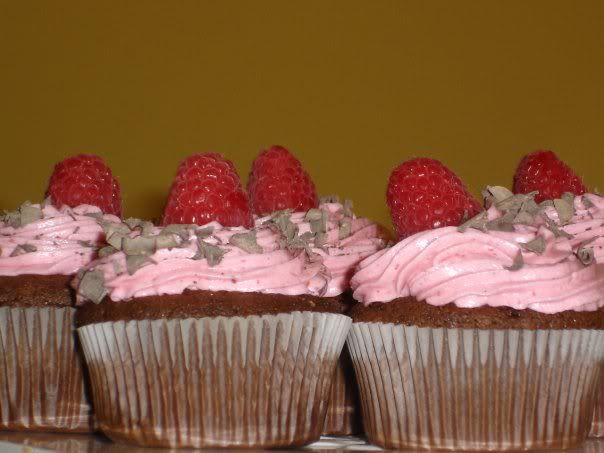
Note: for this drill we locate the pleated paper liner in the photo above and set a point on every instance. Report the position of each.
(465, 389)
(597, 425)
(41, 381)
(256, 381)
(343, 411)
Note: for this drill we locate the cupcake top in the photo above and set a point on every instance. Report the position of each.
(40, 239)
(339, 237)
(285, 253)
(511, 255)
(583, 220)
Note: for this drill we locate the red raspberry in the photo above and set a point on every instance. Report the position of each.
(207, 188)
(85, 179)
(544, 172)
(278, 181)
(423, 194)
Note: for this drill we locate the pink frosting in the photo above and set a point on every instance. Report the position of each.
(341, 256)
(61, 242)
(587, 224)
(173, 270)
(470, 269)
(323, 271)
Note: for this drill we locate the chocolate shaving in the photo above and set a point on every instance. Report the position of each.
(30, 214)
(320, 240)
(317, 218)
(281, 221)
(88, 244)
(537, 245)
(182, 231)
(478, 222)
(551, 225)
(212, 253)
(92, 286)
(565, 210)
(115, 240)
(347, 208)
(524, 218)
(503, 223)
(585, 254)
(135, 262)
(98, 216)
(106, 251)
(12, 219)
(139, 245)
(497, 193)
(166, 241)
(517, 264)
(246, 242)
(22, 249)
(345, 228)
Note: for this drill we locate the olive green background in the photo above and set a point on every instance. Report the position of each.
(352, 87)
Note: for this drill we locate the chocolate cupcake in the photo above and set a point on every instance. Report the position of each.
(41, 381)
(211, 337)
(487, 336)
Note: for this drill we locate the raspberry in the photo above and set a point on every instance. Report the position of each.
(544, 172)
(278, 181)
(85, 179)
(207, 188)
(423, 194)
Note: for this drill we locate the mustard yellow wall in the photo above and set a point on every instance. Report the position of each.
(353, 87)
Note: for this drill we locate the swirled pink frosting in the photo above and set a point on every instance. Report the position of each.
(341, 256)
(173, 270)
(470, 269)
(587, 224)
(276, 270)
(61, 242)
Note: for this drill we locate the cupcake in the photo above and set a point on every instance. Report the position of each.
(486, 336)
(578, 214)
(277, 182)
(41, 247)
(211, 336)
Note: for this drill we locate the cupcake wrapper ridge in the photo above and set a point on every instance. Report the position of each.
(214, 382)
(471, 389)
(343, 412)
(41, 381)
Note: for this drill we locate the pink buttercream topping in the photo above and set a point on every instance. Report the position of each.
(61, 242)
(322, 271)
(587, 224)
(341, 256)
(471, 269)
(173, 270)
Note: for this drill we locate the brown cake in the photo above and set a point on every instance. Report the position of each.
(409, 311)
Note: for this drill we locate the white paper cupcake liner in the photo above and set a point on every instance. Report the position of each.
(343, 411)
(466, 389)
(256, 381)
(41, 381)
(597, 425)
